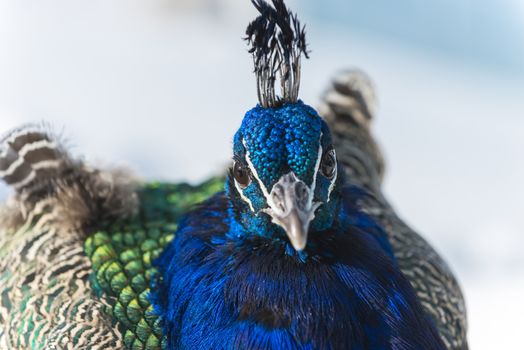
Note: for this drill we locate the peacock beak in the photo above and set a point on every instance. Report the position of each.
(291, 207)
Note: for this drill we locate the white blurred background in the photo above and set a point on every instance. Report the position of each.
(162, 85)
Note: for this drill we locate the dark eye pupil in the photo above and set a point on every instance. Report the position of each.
(241, 175)
(329, 164)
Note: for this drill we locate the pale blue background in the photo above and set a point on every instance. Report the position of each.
(161, 86)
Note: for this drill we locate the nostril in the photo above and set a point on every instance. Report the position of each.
(301, 190)
(277, 195)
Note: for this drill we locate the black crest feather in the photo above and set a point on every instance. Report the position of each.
(277, 41)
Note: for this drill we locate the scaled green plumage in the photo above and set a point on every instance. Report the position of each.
(122, 255)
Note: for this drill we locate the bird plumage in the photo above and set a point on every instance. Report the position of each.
(47, 299)
(76, 248)
(296, 253)
(227, 293)
(122, 255)
(232, 279)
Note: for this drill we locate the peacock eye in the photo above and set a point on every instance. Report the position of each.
(328, 167)
(241, 174)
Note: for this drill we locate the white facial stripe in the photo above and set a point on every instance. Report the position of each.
(265, 192)
(255, 174)
(334, 180)
(317, 166)
(254, 171)
(269, 199)
(243, 196)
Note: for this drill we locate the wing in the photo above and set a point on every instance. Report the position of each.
(47, 301)
(76, 246)
(349, 106)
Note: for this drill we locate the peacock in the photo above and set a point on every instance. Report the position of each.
(295, 247)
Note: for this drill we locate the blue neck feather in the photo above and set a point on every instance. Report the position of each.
(225, 289)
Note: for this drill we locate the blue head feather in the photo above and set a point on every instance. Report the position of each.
(282, 139)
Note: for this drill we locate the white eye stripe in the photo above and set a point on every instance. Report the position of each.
(263, 188)
(317, 167)
(334, 179)
(254, 171)
(255, 175)
(243, 196)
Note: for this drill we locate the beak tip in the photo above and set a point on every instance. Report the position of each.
(299, 246)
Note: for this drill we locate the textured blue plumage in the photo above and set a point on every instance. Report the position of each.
(282, 137)
(232, 280)
(224, 292)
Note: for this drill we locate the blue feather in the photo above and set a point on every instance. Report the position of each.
(242, 291)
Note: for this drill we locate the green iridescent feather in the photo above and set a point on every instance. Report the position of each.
(122, 255)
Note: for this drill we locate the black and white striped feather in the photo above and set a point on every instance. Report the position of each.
(44, 273)
(36, 163)
(30, 154)
(277, 42)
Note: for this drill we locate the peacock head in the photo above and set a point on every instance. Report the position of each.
(284, 179)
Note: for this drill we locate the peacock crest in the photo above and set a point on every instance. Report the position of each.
(277, 42)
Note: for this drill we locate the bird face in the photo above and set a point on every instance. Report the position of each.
(284, 176)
